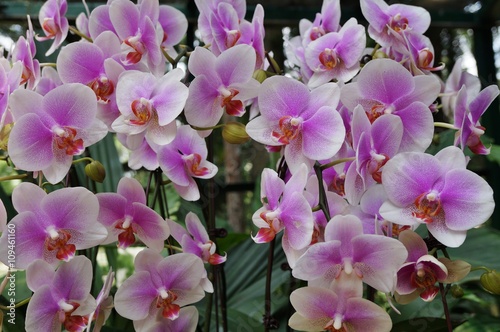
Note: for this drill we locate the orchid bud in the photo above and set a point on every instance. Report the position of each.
(380, 55)
(457, 291)
(96, 171)
(4, 136)
(235, 133)
(260, 75)
(491, 282)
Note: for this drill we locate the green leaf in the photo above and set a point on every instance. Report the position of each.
(494, 155)
(482, 323)
(427, 324)
(481, 248)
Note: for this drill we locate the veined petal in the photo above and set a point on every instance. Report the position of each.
(38, 274)
(363, 315)
(314, 303)
(271, 188)
(195, 228)
(236, 64)
(74, 208)
(378, 258)
(280, 96)
(321, 260)
(71, 104)
(203, 107)
(323, 134)
(202, 62)
(42, 310)
(408, 175)
(30, 240)
(131, 190)
(297, 218)
(27, 197)
(414, 244)
(181, 271)
(467, 200)
(112, 207)
(30, 144)
(73, 279)
(150, 228)
(445, 235)
(135, 296)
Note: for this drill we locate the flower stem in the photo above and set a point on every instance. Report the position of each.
(19, 304)
(445, 125)
(336, 162)
(78, 33)
(208, 128)
(445, 307)
(477, 268)
(269, 321)
(13, 177)
(88, 159)
(323, 202)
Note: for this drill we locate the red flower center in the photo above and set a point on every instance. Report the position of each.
(165, 301)
(66, 140)
(58, 240)
(103, 88)
(289, 129)
(428, 206)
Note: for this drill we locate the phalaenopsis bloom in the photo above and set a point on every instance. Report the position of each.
(52, 226)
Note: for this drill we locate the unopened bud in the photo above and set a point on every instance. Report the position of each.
(235, 133)
(260, 75)
(4, 136)
(380, 55)
(456, 291)
(96, 171)
(491, 282)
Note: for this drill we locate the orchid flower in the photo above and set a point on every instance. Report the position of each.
(126, 215)
(437, 191)
(374, 259)
(52, 226)
(285, 208)
(340, 308)
(149, 106)
(49, 81)
(60, 297)
(467, 116)
(95, 65)
(221, 84)
(389, 22)
(418, 277)
(174, 24)
(136, 27)
(458, 78)
(186, 322)
(104, 304)
(386, 87)
(49, 130)
(210, 8)
(336, 55)
(25, 51)
(336, 205)
(160, 284)
(305, 122)
(54, 23)
(195, 240)
(184, 159)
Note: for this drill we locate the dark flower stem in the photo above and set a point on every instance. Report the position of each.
(323, 203)
(445, 307)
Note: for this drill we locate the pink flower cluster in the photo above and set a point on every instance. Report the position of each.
(353, 185)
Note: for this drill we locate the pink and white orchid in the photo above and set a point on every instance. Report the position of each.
(52, 226)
